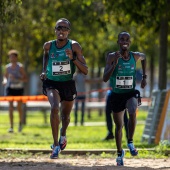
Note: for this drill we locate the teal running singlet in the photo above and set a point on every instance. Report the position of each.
(59, 67)
(123, 78)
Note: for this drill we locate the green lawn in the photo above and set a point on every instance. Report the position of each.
(36, 134)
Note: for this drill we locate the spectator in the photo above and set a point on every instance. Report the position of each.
(14, 78)
(80, 80)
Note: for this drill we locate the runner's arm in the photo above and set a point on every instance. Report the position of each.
(111, 62)
(80, 61)
(142, 57)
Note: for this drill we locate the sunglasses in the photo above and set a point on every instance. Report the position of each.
(63, 28)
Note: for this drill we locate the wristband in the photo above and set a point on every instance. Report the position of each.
(73, 59)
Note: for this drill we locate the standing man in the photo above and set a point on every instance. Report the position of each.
(121, 70)
(61, 57)
(14, 78)
(80, 80)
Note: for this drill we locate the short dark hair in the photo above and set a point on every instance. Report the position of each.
(122, 32)
(64, 19)
(14, 52)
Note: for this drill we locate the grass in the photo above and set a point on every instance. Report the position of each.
(37, 135)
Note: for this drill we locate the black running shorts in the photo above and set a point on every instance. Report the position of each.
(14, 92)
(119, 100)
(66, 89)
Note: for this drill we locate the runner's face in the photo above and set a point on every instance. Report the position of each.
(62, 30)
(124, 41)
(13, 58)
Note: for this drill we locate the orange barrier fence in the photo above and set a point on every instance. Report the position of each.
(24, 99)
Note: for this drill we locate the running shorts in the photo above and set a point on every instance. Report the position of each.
(66, 89)
(118, 100)
(14, 92)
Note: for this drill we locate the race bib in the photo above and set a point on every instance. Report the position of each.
(124, 82)
(61, 68)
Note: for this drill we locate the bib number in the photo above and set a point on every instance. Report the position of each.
(61, 68)
(124, 82)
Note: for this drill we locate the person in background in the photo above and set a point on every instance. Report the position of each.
(80, 80)
(109, 119)
(121, 70)
(60, 59)
(14, 78)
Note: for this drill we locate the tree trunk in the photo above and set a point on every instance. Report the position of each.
(1, 53)
(91, 87)
(163, 53)
(99, 86)
(152, 70)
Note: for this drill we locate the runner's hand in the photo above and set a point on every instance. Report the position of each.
(69, 53)
(143, 83)
(43, 76)
(117, 56)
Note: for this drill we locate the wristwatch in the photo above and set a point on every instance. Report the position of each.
(144, 76)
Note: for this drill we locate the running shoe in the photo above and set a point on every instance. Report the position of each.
(132, 149)
(55, 152)
(62, 142)
(119, 159)
(52, 146)
(19, 128)
(10, 130)
(109, 137)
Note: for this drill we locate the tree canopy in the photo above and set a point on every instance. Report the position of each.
(9, 11)
(94, 24)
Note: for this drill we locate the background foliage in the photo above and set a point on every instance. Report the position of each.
(95, 25)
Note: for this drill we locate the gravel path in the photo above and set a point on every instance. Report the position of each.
(82, 163)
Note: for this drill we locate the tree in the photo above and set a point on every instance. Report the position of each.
(9, 12)
(150, 13)
(94, 25)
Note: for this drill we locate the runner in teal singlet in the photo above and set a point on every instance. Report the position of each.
(121, 70)
(61, 57)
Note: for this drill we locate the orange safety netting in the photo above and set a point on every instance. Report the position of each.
(40, 97)
(24, 98)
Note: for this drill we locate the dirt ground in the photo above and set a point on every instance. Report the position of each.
(82, 163)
